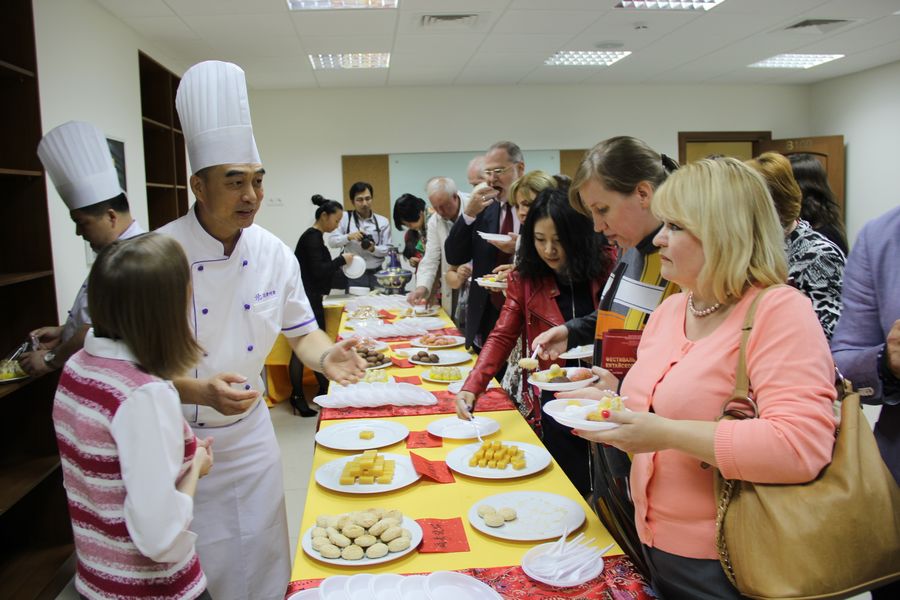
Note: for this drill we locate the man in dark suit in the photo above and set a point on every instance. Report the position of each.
(488, 211)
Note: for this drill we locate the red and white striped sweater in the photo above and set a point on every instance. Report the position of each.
(92, 390)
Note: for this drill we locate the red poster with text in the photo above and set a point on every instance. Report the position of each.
(619, 350)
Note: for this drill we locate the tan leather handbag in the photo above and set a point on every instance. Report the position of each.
(830, 538)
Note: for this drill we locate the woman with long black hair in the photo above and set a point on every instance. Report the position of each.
(561, 268)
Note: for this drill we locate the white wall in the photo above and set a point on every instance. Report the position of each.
(865, 109)
(303, 133)
(88, 70)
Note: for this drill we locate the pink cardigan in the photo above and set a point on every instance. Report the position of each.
(791, 375)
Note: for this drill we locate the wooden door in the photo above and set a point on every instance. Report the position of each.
(828, 149)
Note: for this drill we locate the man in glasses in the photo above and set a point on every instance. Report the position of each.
(487, 211)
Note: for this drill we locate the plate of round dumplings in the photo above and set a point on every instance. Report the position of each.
(526, 515)
(361, 538)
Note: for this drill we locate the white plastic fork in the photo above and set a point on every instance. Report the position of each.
(477, 433)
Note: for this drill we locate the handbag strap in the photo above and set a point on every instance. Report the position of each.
(741, 393)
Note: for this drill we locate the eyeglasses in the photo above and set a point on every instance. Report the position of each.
(496, 172)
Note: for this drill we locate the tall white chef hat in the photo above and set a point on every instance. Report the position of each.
(76, 156)
(214, 109)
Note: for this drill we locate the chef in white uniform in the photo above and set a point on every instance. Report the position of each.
(77, 158)
(246, 290)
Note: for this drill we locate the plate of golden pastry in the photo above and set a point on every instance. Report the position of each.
(362, 538)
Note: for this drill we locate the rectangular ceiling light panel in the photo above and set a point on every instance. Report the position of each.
(585, 58)
(358, 60)
(669, 4)
(795, 61)
(337, 4)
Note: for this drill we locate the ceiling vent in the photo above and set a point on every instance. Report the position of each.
(817, 26)
(453, 22)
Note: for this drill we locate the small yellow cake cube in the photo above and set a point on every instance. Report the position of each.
(366, 434)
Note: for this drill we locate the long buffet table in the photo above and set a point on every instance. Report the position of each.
(494, 561)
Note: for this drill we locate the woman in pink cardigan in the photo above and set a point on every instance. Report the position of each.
(722, 243)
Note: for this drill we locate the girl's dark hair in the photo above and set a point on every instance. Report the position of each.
(139, 294)
(329, 207)
(407, 208)
(358, 187)
(819, 206)
(585, 258)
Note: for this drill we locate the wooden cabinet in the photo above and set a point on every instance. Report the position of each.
(36, 549)
(164, 151)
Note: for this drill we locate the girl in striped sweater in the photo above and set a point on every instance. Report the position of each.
(130, 461)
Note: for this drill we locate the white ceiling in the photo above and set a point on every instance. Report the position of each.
(511, 39)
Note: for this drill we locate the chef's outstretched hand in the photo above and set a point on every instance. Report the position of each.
(228, 393)
(343, 364)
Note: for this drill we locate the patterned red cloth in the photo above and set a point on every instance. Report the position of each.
(493, 399)
(618, 581)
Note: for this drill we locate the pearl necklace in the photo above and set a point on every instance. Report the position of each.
(702, 313)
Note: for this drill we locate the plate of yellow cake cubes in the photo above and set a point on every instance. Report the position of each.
(498, 460)
(361, 434)
(368, 473)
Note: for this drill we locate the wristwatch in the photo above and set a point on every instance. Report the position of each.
(890, 384)
(49, 357)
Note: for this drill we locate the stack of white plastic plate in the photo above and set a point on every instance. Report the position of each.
(393, 302)
(440, 585)
(367, 395)
(400, 329)
(428, 323)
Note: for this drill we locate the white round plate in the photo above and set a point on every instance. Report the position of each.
(414, 529)
(333, 588)
(578, 352)
(458, 340)
(345, 435)
(14, 379)
(356, 268)
(378, 346)
(565, 413)
(354, 323)
(494, 237)
(456, 386)
(381, 366)
(454, 428)
(562, 387)
(312, 594)
(445, 358)
(358, 585)
(540, 516)
(421, 311)
(533, 556)
(329, 476)
(463, 371)
(491, 285)
(385, 586)
(536, 459)
(448, 585)
(413, 588)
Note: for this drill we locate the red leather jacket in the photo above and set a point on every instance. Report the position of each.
(530, 306)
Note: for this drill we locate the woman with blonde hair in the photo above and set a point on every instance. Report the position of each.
(721, 242)
(815, 264)
(130, 462)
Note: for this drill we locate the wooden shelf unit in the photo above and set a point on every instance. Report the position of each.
(36, 549)
(164, 151)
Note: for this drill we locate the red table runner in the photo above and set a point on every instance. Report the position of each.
(618, 581)
(493, 399)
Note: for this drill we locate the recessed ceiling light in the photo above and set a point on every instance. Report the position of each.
(335, 4)
(795, 61)
(357, 60)
(670, 4)
(585, 58)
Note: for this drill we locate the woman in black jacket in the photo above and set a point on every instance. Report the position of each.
(317, 270)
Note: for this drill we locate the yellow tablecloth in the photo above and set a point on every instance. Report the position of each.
(426, 499)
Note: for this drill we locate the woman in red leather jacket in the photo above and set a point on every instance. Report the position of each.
(561, 268)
